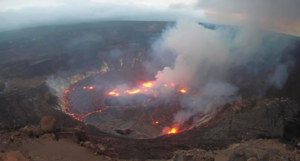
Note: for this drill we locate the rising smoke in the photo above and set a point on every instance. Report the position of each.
(277, 15)
(218, 65)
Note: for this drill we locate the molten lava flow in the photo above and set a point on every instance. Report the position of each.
(172, 131)
(143, 88)
(113, 93)
(183, 91)
(133, 91)
(138, 103)
(148, 84)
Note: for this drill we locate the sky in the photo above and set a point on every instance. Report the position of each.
(15, 14)
(18, 4)
(276, 15)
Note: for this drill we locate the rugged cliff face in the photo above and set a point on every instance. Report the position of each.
(292, 87)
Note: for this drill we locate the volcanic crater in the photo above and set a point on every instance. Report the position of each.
(29, 90)
(133, 113)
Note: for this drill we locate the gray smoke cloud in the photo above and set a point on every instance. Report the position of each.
(280, 75)
(276, 15)
(218, 66)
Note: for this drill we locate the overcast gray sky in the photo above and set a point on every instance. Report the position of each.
(18, 4)
(277, 15)
(16, 14)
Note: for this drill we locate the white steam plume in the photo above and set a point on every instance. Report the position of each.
(275, 15)
(214, 65)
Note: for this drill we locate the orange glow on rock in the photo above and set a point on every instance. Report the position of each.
(133, 91)
(91, 87)
(113, 93)
(156, 122)
(172, 131)
(148, 84)
(183, 91)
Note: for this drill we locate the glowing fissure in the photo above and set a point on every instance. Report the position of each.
(183, 91)
(113, 93)
(143, 88)
(148, 84)
(172, 131)
(133, 91)
(158, 122)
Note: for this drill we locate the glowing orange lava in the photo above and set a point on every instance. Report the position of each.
(183, 91)
(148, 84)
(156, 122)
(133, 91)
(172, 131)
(91, 88)
(113, 93)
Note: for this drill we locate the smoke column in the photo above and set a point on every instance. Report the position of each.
(216, 65)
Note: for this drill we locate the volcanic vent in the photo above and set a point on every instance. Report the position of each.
(120, 103)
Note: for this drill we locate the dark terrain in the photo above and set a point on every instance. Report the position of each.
(70, 53)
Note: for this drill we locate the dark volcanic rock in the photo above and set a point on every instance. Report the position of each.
(3, 127)
(292, 127)
(237, 155)
(250, 154)
(80, 134)
(31, 131)
(252, 159)
(48, 124)
(123, 132)
(14, 156)
(23, 106)
(2, 86)
(37, 131)
(27, 130)
(192, 155)
(265, 119)
(245, 119)
(49, 136)
(240, 154)
(271, 154)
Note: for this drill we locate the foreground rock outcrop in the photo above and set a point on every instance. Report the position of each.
(13, 156)
(193, 155)
(48, 124)
(64, 147)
